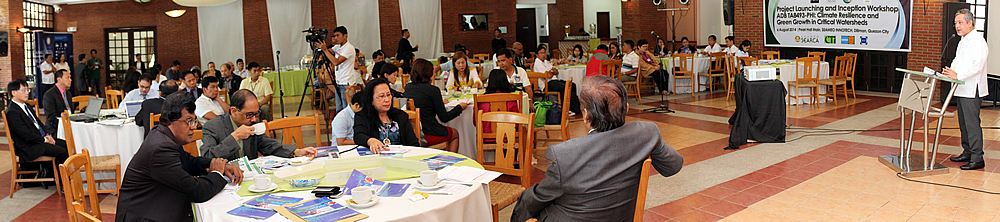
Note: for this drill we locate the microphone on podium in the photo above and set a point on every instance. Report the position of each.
(654, 34)
(945, 47)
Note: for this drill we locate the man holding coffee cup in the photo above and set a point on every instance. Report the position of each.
(234, 135)
(162, 180)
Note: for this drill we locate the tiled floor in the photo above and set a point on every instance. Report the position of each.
(821, 177)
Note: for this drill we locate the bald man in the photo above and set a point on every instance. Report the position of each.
(518, 54)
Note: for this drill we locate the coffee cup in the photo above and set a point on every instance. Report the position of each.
(262, 181)
(428, 177)
(259, 128)
(362, 195)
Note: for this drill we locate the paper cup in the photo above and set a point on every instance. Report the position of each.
(262, 181)
(428, 177)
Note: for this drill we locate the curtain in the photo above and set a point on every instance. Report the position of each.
(360, 17)
(287, 19)
(220, 36)
(423, 19)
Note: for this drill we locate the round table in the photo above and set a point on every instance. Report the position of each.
(473, 204)
(102, 140)
(696, 65)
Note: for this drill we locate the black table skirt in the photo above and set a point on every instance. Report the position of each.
(760, 112)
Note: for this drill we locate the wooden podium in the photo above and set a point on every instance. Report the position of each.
(915, 98)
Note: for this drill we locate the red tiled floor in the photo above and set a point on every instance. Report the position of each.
(737, 184)
(744, 198)
(718, 192)
(757, 177)
(649, 216)
(696, 200)
(783, 182)
(723, 208)
(672, 209)
(763, 190)
(698, 215)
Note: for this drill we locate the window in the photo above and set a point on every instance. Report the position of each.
(29, 47)
(39, 16)
(978, 8)
(123, 45)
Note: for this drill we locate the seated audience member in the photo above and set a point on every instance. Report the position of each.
(162, 180)
(661, 49)
(377, 57)
(630, 61)
(191, 84)
(556, 83)
(594, 66)
(231, 135)
(427, 98)
(154, 105)
(129, 83)
(577, 56)
(518, 49)
(497, 83)
(57, 100)
(211, 71)
(585, 181)
(210, 104)
(378, 121)
(342, 126)
(744, 50)
(614, 51)
(261, 88)
(515, 75)
(174, 72)
(240, 70)
(462, 76)
(651, 67)
(686, 46)
(712, 47)
(451, 63)
(731, 46)
(27, 132)
(390, 73)
(143, 92)
(229, 80)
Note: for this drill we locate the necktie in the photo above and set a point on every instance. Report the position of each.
(32, 116)
(66, 102)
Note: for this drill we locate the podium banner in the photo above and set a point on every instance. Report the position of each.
(841, 24)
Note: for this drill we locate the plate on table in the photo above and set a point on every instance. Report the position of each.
(370, 203)
(420, 186)
(299, 161)
(253, 188)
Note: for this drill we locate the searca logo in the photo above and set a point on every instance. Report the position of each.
(807, 39)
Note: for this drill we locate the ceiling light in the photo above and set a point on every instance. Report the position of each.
(175, 13)
(23, 29)
(202, 3)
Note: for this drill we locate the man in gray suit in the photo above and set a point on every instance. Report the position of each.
(596, 177)
(232, 136)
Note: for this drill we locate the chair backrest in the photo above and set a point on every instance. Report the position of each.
(414, 116)
(717, 54)
(81, 214)
(68, 131)
(820, 55)
(564, 116)
(731, 70)
(613, 68)
(81, 101)
(153, 119)
(34, 103)
(409, 104)
(474, 61)
(10, 142)
(682, 60)
(533, 78)
(224, 93)
(640, 200)
(113, 96)
(770, 55)
(481, 56)
(498, 103)
(556, 54)
(840, 67)
(851, 65)
(406, 79)
(291, 129)
(804, 70)
(718, 64)
(748, 61)
(69, 172)
(192, 147)
(514, 141)
(351, 90)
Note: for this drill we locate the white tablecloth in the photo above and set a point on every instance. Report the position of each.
(103, 140)
(473, 204)
(698, 65)
(786, 71)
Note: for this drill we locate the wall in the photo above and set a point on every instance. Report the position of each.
(392, 27)
(711, 22)
(15, 49)
(641, 16)
(541, 20)
(500, 13)
(614, 9)
(564, 12)
(256, 33)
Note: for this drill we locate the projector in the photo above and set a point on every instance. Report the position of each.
(759, 73)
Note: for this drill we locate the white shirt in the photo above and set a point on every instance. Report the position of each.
(713, 48)
(64, 66)
(520, 77)
(541, 65)
(732, 49)
(346, 68)
(342, 125)
(970, 64)
(49, 78)
(631, 59)
(242, 73)
(204, 105)
(136, 95)
(741, 53)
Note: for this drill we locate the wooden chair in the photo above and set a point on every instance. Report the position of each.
(475, 61)
(498, 101)
(820, 55)
(564, 117)
(409, 104)
(405, 79)
(771, 55)
(113, 97)
(514, 143)
(351, 90)
(681, 61)
(291, 129)
(731, 72)
(632, 88)
(612, 68)
(192, 147)
(481, 56)
(70, 174)
(716, 70)
(38, 114)
(15, 164)
(837, 80)
(98, 163)
(747, 61)
(849, 73)
(640, 200)
(528, 64)
(533, 78)
(82, 215)
(224, 93)
(81, 102)
(808, 79)
(556, 54)
(153, 119)
(414, 116)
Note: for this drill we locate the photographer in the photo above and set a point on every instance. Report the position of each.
(342, 57)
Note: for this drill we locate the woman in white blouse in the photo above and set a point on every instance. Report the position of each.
(61, 63)
(461, 75)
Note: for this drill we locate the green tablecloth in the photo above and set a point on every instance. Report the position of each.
(292, 82)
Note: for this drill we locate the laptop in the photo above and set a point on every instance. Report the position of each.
(132, 108)
(92, 113)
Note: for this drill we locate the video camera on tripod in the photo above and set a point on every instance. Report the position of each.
(315, 35)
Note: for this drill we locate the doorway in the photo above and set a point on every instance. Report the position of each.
(603, 25)
(526, 30)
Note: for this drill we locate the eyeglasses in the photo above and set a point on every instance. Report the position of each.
(250, 115)
(193, 122)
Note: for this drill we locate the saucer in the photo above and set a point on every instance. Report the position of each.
(253, 188)
(351, 203)
(421, 186)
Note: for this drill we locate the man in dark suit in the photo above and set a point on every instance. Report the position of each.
(154, 105)
(404, 52)
(27, 132)
(596, 177)
(191, 80)
(162, 179)
(229, 80)
(231, 135)
(57, 100)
